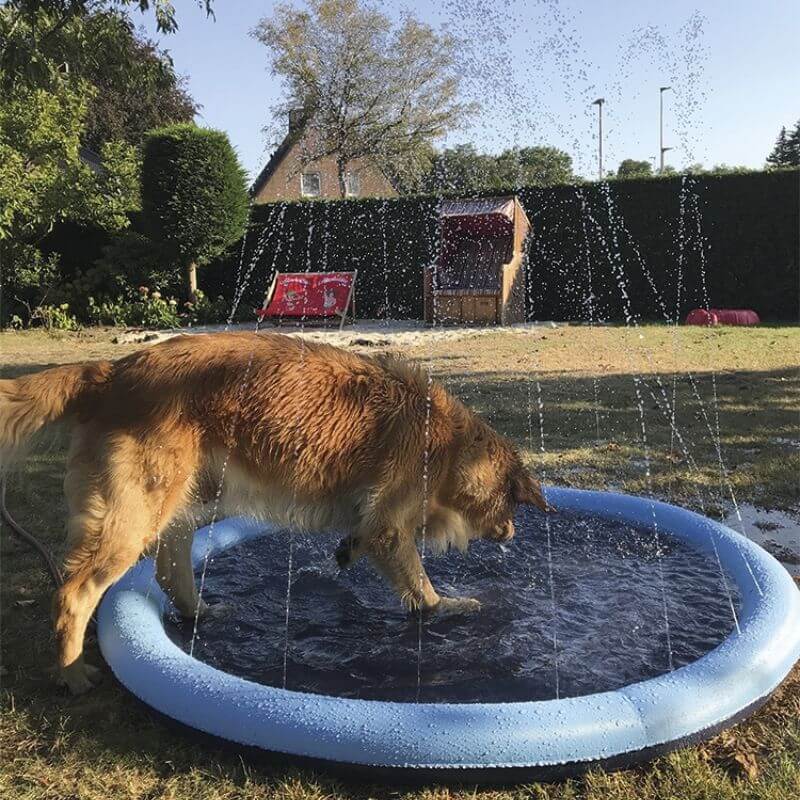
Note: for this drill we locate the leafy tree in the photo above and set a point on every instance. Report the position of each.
(695, 169)
(194, 194)
(370, 90)
(43, 180)
(42, 175)
(45, 18)
(779, 157)
(533, 166)
(137, 88)
(462, 169)
(631, 168)
(727, 169)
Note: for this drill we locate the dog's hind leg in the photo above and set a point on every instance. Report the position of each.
(117, 507)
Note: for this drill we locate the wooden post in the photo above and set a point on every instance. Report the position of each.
(191, 276)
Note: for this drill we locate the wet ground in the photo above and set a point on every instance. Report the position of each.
(605, 620)
(778, 532)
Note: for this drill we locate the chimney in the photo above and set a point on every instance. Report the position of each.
(297, 116)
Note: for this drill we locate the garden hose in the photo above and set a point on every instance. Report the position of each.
(28, 538)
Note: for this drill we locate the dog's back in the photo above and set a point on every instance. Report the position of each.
(276, 404)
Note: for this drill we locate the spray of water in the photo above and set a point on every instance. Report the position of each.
(632, 322)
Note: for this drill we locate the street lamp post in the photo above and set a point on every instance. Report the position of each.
(661, 147)
(599, 103)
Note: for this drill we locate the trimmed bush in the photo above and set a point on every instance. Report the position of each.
(625, 234)
(194, 194)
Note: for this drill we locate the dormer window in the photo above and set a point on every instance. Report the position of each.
(352, 184)
(310, 184)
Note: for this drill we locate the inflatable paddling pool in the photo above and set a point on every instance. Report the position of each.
(479, 742)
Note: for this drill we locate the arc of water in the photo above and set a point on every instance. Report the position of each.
(701, 502)
(678, 295)
(290, 549)
(615, 260)
(589, 302)
(549, 533)
(266, 235)
(239, 288)
(426, 455)
(617, 221)
(385, 255)
(633, 322)
(715, 435)
(223, 469)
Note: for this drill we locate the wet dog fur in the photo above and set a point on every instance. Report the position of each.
(305, 435)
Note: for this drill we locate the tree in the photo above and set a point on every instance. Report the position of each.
(136, 85)
(30, 26)
(631, 168)
(779, 156)
(369, 90)
(727, 169)
(42, 175)
(194, 194)
(462, 169)
(44, 180)
(793, 147)
(533, 166)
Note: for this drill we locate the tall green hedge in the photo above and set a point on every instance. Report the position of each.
(627, 235)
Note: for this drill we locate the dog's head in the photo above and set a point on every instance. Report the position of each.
(489, 482)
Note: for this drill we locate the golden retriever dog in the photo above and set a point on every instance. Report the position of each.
(305, 435)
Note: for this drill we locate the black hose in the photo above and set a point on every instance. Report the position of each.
(28, 538)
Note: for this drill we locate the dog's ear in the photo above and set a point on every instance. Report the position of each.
(526, 489)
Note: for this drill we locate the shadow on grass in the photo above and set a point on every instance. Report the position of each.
(752, 415)
(108, 730)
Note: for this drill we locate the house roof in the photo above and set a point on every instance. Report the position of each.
(295, 133)
(272, 164)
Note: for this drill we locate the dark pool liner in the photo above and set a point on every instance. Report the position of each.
(474, 742)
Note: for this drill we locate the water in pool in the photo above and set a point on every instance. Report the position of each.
(349, 637)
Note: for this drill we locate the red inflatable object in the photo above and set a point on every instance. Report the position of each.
(701, 317)
(722, 316)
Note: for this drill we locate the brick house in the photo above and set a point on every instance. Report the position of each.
(286, 178)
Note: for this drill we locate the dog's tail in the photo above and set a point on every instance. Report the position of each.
(29, 403)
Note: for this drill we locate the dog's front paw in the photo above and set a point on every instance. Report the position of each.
(346, 552)
(451, 606)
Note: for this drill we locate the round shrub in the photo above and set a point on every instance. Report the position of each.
(194, 194)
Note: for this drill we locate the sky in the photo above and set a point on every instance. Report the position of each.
(535, 66)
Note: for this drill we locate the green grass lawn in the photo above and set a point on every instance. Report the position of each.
(105, 744)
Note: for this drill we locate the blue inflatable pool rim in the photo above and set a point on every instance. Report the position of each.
(474, 741)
